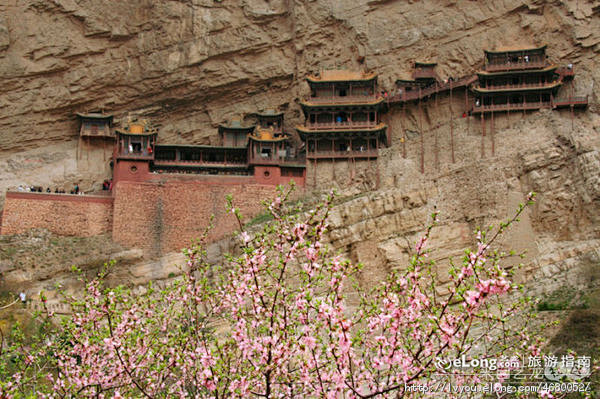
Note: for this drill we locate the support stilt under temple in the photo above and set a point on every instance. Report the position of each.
(482, 135)
(435, 134)
(572, 119)
(467, 110)
(421, 133)
(492, 127)
(451, 126)
(403, 129)
(333, 169)
(377, 171)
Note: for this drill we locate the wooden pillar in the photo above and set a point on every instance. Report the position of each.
(492, 127)
(451, 127)
(482, 135)
(377, 164)
(332, 160)
(571, 101)
(421, 133)
(403, 129)
(467, 109)
(435, 132)
(315, 172)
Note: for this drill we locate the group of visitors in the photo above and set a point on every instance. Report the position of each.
(39, 189)
(107, 185)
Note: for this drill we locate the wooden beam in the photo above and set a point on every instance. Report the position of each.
(435, 132)
(492, 128)
(403, 129)
(482, 135)
(451, 126)
(421, 133)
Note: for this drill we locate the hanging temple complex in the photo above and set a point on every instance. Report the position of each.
(163, 195)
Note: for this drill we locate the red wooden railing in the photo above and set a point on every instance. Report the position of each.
(179, 162)
(339, 125)
(512, 106)
(507, 66)
(424, 73)
(565, 72)
(433, 89)
(342, 154)
(568, 101)
(518, 86)
(343, 100)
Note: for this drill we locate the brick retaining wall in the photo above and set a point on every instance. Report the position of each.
(63, 214)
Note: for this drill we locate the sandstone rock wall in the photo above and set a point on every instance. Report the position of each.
(188, 65)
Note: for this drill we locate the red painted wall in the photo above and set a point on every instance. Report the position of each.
(166, 215)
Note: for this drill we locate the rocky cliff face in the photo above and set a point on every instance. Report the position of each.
(189, 65)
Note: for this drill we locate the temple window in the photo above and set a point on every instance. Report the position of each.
(265, 152)
(341, 117)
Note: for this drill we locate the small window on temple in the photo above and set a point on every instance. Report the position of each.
(137, 147)
(372, 116)
(312, 118)
(265, 152)
(342, 92)
(515, 80)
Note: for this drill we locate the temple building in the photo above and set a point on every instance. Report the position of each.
(245, 150)
(134, 150)
(93, 126)
(343, 118)
(519, 80)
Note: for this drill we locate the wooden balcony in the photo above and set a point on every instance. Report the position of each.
(200, 164)
(424, 74)
(577, 102)
(136, 155)
(297, 160)
(565, 72)
(477, 109)
(413, 95)
(360, 99)
(342, 154)
(340, 125)
(510, 66)
(517, 87)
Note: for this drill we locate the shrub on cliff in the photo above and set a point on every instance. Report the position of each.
(276, 320)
